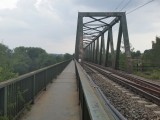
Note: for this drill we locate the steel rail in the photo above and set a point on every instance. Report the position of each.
(152, 95)
(132, 78)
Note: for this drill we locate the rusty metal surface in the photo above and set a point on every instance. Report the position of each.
(60, 101)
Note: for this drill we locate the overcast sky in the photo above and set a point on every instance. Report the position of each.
(51, 24)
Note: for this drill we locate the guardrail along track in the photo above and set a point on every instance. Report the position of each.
(94, 104)
(144, 88)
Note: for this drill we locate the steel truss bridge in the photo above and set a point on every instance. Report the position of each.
(66, 91)
(90, 38)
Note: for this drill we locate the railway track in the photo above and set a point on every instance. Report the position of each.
(133, 78)
(144, 88)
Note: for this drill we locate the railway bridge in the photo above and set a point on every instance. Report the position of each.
(91, 86)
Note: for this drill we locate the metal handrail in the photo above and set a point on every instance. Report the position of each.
(10, 81)
(17, 93)
(91, 106)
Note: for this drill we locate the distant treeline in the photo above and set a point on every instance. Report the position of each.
(22, 60)
(147, 61)
(151, 57)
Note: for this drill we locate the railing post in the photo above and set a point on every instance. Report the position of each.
(52, 74)
(45, 80)
(5, 101)
(33, 91)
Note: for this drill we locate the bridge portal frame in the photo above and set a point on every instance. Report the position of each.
(93, 49)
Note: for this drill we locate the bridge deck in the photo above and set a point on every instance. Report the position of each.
(60, 101)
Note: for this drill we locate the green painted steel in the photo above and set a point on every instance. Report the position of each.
(91, 106)
(94, 25)
(16, 94)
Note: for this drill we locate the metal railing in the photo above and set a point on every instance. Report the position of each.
(91, 106)
(17, 93)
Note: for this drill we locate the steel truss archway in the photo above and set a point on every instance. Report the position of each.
(90, 38)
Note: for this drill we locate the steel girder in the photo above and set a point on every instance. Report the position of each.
(90, 38)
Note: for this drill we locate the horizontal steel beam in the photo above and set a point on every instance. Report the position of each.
(99, 25)
(101, 14)
(95, 20)
(89, 28)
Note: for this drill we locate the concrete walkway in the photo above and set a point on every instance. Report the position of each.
(60, 101)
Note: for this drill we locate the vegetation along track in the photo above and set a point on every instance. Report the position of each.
(144, 88)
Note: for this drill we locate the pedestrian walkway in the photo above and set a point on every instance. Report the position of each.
(60, 101)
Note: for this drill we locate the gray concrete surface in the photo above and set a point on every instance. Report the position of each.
(60, 101)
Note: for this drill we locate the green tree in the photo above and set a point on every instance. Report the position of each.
(35, 55)
(59, 58)
(67, 56)
(6, 71)
(136, 54)
(21, 60)
(122, 61)
(25, 59)
(45, 60)
(152, 56)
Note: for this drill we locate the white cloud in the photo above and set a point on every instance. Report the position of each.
(143, 26)
(8, 4)
(51, 24)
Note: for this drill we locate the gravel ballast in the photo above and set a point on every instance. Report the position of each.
(129, 104)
